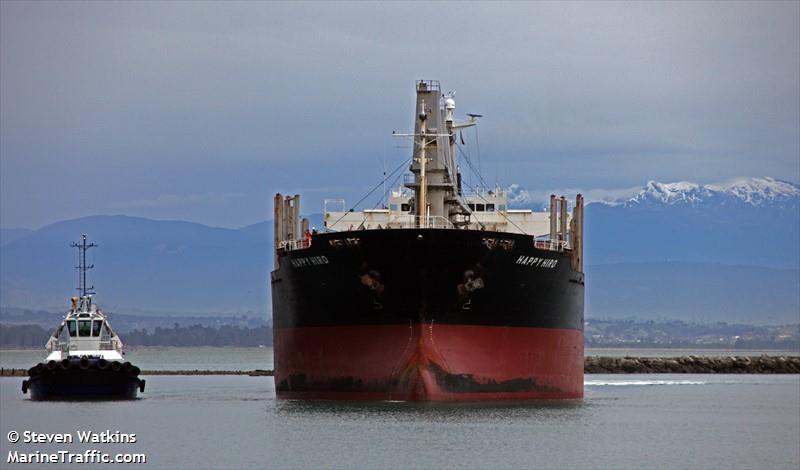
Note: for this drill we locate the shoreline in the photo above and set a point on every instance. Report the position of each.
(592, 365)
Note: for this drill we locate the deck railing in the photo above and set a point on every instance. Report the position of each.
(552, 245)
(410, 221)
(292, 245)
(415, 221)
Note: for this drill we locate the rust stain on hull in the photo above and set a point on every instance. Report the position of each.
(467, 383)
(417, 388)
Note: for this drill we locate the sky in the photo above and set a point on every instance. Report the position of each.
(202, 111)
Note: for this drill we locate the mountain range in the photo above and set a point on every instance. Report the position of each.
(724, 252)
(747, 221)
(142, 265)
(752, 191)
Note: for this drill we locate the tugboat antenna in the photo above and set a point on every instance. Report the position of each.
(82, 267)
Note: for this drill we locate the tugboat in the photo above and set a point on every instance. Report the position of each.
(88, 361)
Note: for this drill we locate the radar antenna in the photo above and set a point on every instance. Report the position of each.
(82, 267)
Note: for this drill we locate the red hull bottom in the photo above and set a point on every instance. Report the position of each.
(419, 362)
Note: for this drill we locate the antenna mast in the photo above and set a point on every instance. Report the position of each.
(82, 267)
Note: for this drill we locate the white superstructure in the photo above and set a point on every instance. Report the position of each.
(434, 194)
(488, 211)
(85, 331)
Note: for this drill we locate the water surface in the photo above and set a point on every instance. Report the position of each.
(632, 421)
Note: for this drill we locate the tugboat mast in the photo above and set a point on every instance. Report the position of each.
(82, 267)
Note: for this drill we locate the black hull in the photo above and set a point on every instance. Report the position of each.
(409, 314)
(75, 382)
(397, 277)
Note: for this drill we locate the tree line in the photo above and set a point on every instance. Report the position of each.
(34, 336)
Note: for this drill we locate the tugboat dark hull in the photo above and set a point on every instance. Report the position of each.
(427, 315)
(71, 380)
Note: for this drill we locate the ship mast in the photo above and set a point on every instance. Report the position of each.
(437, 182)
(82, 267)
(423, 182)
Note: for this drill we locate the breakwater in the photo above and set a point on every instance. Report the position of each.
(592, 365)
(692, 365)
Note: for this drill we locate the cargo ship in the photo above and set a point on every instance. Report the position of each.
(443, 293)
(85, 357)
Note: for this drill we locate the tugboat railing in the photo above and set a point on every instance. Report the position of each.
(64, 346)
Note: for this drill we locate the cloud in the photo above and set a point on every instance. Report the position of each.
(520, 196)
(154, 101)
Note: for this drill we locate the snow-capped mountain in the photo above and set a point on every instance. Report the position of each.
(682, 192)
(752, 191)
(756, 191)
(745, 221)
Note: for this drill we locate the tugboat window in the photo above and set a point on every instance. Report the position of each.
(72, 328)
(96, 326)
(84, 328)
